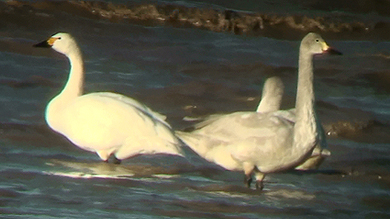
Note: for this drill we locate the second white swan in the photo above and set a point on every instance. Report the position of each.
(268, 142)
(105, 123)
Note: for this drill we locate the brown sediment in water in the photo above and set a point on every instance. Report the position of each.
(354, 124)
(361, 131)
(286, 26)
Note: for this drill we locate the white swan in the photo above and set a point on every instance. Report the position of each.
(263, 143)
(105, 123)
(271, 101)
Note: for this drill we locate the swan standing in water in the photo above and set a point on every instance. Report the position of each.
(263, 143)
(105, 123)
(271, 101)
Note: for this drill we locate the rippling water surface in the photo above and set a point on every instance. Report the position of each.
(194, 58)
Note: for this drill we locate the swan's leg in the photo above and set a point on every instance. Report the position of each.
(248, 180)
(103, 155)
(248, 170)
(259, 180)
(116, 160)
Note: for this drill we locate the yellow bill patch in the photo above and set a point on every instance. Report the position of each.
(324, 46)
(52, 40)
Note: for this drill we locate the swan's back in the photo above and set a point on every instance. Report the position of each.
(242, 125)
(134, 103)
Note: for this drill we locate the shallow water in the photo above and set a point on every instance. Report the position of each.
(192, 69)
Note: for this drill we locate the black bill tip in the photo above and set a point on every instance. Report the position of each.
(332, 51)
(43, 44)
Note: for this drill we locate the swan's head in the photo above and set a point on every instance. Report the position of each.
(274, 84)
(61, 42)
(314, 44)
(273, 88)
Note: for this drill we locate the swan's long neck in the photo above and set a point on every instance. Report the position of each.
(272, 95)
(72, 89)
(74, 86)
(305, 129)
(270, 101)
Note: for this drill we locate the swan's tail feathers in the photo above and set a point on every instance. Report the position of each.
(165, 136)
(193, 141)
(175, 149)
(200, 144)
(316, 159)
(169, 147)
(187, 138)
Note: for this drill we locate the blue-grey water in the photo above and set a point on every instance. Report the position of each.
(185, 70)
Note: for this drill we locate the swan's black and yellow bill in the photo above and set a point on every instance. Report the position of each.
(47, 43)
(332, 51)
(329, 50)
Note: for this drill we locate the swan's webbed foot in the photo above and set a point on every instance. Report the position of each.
(248, 180)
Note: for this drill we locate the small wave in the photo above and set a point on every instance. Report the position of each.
(85, 175)
(103, 170)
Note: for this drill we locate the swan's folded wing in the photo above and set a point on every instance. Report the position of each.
(205, 121)
(140, 106)
(102, 121)
(241, 125)
(262, 150)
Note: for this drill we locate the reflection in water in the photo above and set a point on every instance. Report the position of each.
(282, 194)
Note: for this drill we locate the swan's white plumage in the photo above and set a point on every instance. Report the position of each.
(263, 143)
(320, 152)
(271, 101)
(241, 135)
(104, 122)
